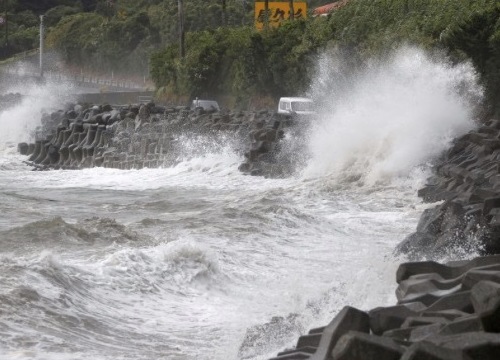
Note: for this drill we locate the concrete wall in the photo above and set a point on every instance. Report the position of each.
(116, 98)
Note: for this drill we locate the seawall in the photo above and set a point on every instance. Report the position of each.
(147, 135)
(467, 182)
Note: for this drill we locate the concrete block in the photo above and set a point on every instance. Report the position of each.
(347, 319)
(420, 333)
(406, 270)
(415, 243)
(360, 346)
(485, 297)
(450, 315)
(389, 318)
(305, 349)
(428, 292)
(489, 204)
(462, 325)
(399, 334)
(23, 148)
(412, 321)
(418, 286)
(473, 345)
(317, 330)
(428, 351)
(457, 301)
(293, 356)
(309, 340)
(473, 276)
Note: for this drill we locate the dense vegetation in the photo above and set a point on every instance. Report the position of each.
(117, 35)
(19, 28)
(245, 62)
(226, 55)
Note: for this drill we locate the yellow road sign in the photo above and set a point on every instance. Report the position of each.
(278, 12)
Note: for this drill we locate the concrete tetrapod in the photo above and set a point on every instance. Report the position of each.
(346, 320)
(460, 325)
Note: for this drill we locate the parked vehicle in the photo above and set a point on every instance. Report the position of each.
(296, 105)
(207, 105)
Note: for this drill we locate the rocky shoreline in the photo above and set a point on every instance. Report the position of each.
(449, 311)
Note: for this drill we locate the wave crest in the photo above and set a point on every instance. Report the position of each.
(177, 266)
(391, 116)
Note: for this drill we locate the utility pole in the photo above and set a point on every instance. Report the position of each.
(42, 30)
(292, 11)
(224, 18)
(266, 14)
(6, 29)
(5, 21)
(244, 3)
(180, 5)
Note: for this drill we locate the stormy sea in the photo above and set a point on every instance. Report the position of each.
(197, 260)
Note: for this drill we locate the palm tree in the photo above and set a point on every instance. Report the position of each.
(292, 12)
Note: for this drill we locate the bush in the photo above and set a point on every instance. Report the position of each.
(77, 36)
(282, 61)
(54, 15)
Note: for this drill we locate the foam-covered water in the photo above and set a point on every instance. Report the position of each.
(198, 261)
(18, 123)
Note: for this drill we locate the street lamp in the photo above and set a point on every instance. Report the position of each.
(180, 10)
(42, 30)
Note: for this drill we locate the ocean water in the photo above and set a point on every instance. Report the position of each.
(198, 261)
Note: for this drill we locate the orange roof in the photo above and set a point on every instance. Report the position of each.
(326, 9)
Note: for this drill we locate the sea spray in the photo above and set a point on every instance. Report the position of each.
(381, 121)
(208, 152)
(18, 123)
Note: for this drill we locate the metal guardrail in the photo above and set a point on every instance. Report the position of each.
(145, 99)
(81, 78)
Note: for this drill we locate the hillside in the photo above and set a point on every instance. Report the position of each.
(225, 55)
(118, 35)
(244, 62)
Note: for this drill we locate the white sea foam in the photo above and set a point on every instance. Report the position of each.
(174, 266)
(395, 114)
(17, 123)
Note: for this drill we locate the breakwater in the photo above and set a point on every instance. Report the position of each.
(146, 135)
(444, 312)
(467, 182)
(10, 99)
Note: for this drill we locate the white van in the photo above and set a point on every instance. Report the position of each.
(208, 105)
(296, 105)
